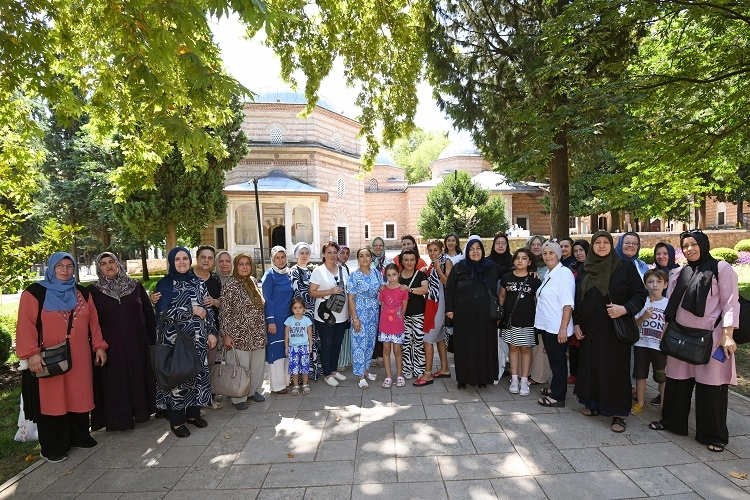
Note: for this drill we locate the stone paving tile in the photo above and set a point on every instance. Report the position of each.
(11, 493)
(647, 455)
(309, 474)
(500, 393)
(741, 465)
(375, 469)
(482, 466)
(99, 496)
(739, 446)
(588, 459)
(273, 444)
(244, 477)
(336, 450)
(134, 480)
(433, 412)
(478, 418)
(392, 412)
(321, 402)
(739, 425)
(450, 398)
(150, 495)
(566, 430)
(740, 405)
(433, 490)
(527, 406)
(328, 493)
(286, 403)
(202, 495)
(76, 480)
(46, 473)
(478, 489)
(178, 456)
(492, 442)
(206, 473)
(416, 469)
(698, 450)
(707, 483)
(542, 459)
(657, 481)
(340, 426)
(513, 488)
(441, 437)
(599, 485)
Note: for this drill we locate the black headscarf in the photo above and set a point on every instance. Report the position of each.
(505, 259)
(166, 285)
(577, 266)
(477, 268)
(694, 283)
(598, 269)
(671, 261)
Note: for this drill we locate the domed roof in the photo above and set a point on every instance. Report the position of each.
(288, 96)
(384, 158)
(461, 146)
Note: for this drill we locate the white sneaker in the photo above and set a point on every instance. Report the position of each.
(513, 386)
(525, 391)
(408, 376)
(332, 381)
(338, 376)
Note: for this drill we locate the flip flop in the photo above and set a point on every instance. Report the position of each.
(546, 392)
(546, 401)
(439, 374)
(716, 448)
(656, 426)
(420, 382)
(592, 412)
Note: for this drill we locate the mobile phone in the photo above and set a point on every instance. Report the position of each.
(719, 354)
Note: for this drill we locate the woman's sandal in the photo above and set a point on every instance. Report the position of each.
(546, 391)
(618, 424)
(550, 403)
(716, 448)
(215, 406)
(362, 384)
(305, 389)
(295, 390)
(656, 426)
(592, 412)
(387, 383)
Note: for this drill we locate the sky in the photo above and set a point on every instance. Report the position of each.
(256, 66)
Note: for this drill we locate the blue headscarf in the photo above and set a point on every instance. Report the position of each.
(164, 286)
(639, 264)
(61, 295)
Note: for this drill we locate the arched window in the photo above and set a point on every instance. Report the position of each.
(276, 137)
(337, 143)
(373, 185)
(340, 188)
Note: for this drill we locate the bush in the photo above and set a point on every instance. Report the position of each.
(6, 342)
(742, 246)
(646, 255)
(726, 254)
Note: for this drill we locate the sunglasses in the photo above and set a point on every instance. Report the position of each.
(685, 234)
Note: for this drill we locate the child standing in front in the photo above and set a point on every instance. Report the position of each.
(517, 295)
(393, 301)
(650, 322)
(298, 340)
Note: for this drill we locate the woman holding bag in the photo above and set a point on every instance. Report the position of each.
(705, 296)
(242, 324)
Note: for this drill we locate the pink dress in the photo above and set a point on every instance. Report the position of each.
(391, 312)
(723, 300)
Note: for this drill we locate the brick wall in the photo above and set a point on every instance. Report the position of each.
(472, 164)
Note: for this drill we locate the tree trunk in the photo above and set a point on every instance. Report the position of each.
(559, 189)
(702, 214)
(593, 223)
(614, 221)
(740, 222)
(171, 237)
(144, 261)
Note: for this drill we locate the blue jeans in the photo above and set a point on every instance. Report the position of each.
(331, 337)
(558, 386)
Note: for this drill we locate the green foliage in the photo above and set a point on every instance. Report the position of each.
(646, 255)
(725, 254)
(6, 343)
(742, 246)
(458, 205)
(417, 151)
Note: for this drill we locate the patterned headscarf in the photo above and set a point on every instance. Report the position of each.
(274, 251)
(117, 287)
(222, 277)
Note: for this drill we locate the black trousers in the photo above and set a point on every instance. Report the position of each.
(177, 417)
(573, 357)
(711, 403)
(59, 433)
(558, 363)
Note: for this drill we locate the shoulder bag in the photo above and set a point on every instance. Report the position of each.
(175, 364)
(692, 345)
(626, 329)
(230, 379)
(509, 319)
(335, 302)
(56, 358)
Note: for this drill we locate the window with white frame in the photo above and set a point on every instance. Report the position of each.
(389, 229)
(721, 214)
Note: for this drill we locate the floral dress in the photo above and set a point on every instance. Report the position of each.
(365, 290)
(301, 287)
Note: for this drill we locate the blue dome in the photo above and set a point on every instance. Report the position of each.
(461, 146)
(385, 158)
(289, 96)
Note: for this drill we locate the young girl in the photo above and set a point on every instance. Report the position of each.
(298, 340)
(393, 306)
(517, 295)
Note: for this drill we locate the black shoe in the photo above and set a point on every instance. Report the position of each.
(482, 386)
(181, 431)
(88, 444)
(56, 458)
(161, 414)
(656, 401)
(461, 386)
(199, 422)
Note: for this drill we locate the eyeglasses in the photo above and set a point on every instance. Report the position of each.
(66, 267)
(629, 244)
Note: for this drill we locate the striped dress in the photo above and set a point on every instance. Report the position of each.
(520, 307)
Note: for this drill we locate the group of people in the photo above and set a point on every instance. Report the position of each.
(557, 302)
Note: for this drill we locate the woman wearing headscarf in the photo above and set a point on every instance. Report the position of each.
(500, 253)
(204, 269)
(224, 266)
(540, 373)
(182, 308)
(704, 296)
(379, 261)
(534, 243)
(124, 389)
(59, 405)
(628, 247)
(278, 293)
(301, 286)
(568, 259)
(664, 259)
(608, 287)
(242, 322)
(469, 292)
(580, 249)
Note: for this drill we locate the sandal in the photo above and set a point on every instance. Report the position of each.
(546, 391)
(550, 403)
(420, 382)
(387, 383)
(592, 412)
(362, 384)
(305, 388)
(215, 406)
(656, 426)
(372, 377)
(400, 382)
(439, 374)
(295, 390)
(618, 424)
(716, 448)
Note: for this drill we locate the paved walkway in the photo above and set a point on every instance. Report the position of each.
(430, 443)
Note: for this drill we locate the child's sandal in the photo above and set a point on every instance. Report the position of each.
(387, 383)
(295, 390)
(400, 382)
(305, 388)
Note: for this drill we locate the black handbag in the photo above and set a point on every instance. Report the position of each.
(57, 358)
(175, 364)
(692, 345)
(496, 310)
(626, 329)
(335, 302)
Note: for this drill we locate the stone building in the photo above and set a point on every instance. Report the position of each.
(311, 188)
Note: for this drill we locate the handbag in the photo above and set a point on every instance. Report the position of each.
(335, 303)
(175, 364)
(692, 345)
(230, 379)
(57, 358)
(496, 310)
(507, 322)
(626, 329)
